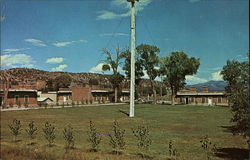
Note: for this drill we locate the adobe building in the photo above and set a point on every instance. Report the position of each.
(20, 98)
(64, 96)
(205, 97)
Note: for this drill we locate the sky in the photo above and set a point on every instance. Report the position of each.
(69, 35)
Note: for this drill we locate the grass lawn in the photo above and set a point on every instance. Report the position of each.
(184, 125)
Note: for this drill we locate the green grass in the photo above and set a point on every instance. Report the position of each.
(185, 125)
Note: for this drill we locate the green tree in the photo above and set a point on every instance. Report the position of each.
(15, 128)
(112, 64)
(175, 68)
(49, 133)
(93, 137)
(138, 67)
(31, 130)
(237, 75)
(150, 61)
(62, 81)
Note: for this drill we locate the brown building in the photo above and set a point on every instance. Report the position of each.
(205, 97)
(64, 96)
(20, 98)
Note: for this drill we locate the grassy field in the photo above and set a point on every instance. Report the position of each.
(184, 125)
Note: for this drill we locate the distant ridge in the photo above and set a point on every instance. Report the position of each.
(212, 85)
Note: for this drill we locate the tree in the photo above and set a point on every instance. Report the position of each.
(112, 64)
(62, 81)
(237, 75)
(175, 68)
(149, 60)
(138, 67)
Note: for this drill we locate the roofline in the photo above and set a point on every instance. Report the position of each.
(201, 94)
(21, 90)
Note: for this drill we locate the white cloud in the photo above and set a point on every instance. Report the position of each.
(55, 60)
(114, 34)
(62, 44)
(216, 76)
(194, 79)
(9, 50)
(61, 67)
(105, 14)
(98, 69)
(17, 60)
(35, 42)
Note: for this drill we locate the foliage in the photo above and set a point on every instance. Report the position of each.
(116, 140)
(111, 64)
(31, 130)
(68, 137)
(208, 147)
(172, 149)
(142, 135)
(49, 133)
(237, 75)
(175, 68)
(93, 136)
(93, 81)
(150, 60)
(62, 81)
(15, 128)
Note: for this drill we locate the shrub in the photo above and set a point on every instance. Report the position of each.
(93, 137)
(69, 137)
(172, 150)
(31, 130)
(117, 139)
(143, 139)
(208, 147)
(15, 128)
(49, 133)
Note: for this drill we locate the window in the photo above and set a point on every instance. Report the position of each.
(219, 99)
(16, 99)
(192, 99)
(203, 100)
(26, 99)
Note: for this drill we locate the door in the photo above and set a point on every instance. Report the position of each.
(186, 100)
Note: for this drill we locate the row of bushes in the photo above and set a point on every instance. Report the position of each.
(116, 139)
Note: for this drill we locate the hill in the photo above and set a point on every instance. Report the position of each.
(212, 85)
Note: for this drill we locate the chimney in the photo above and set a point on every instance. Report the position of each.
(205, 89)
(192, 89)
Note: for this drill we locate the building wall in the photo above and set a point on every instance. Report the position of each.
(64, 98)
(52, 96)
(31, 98)
(202, 100)
(81, 94)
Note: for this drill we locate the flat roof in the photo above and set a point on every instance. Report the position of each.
(64, 91)
(101, 91)
(21, 90)
(201, 94)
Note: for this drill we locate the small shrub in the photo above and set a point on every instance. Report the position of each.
(69, 137)
(86, 102)
(117, 139)
(57, 104)
(208, 147)
(49, 133)
(15, 128)
(19, 104)
(93, 137)
(143, 139)
(31, 130)
(73, 103)
(172, 150)
(63, 105)
(91, 101)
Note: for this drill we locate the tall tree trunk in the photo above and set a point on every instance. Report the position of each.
(116, 91)
(173, 97)
(153, 89)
